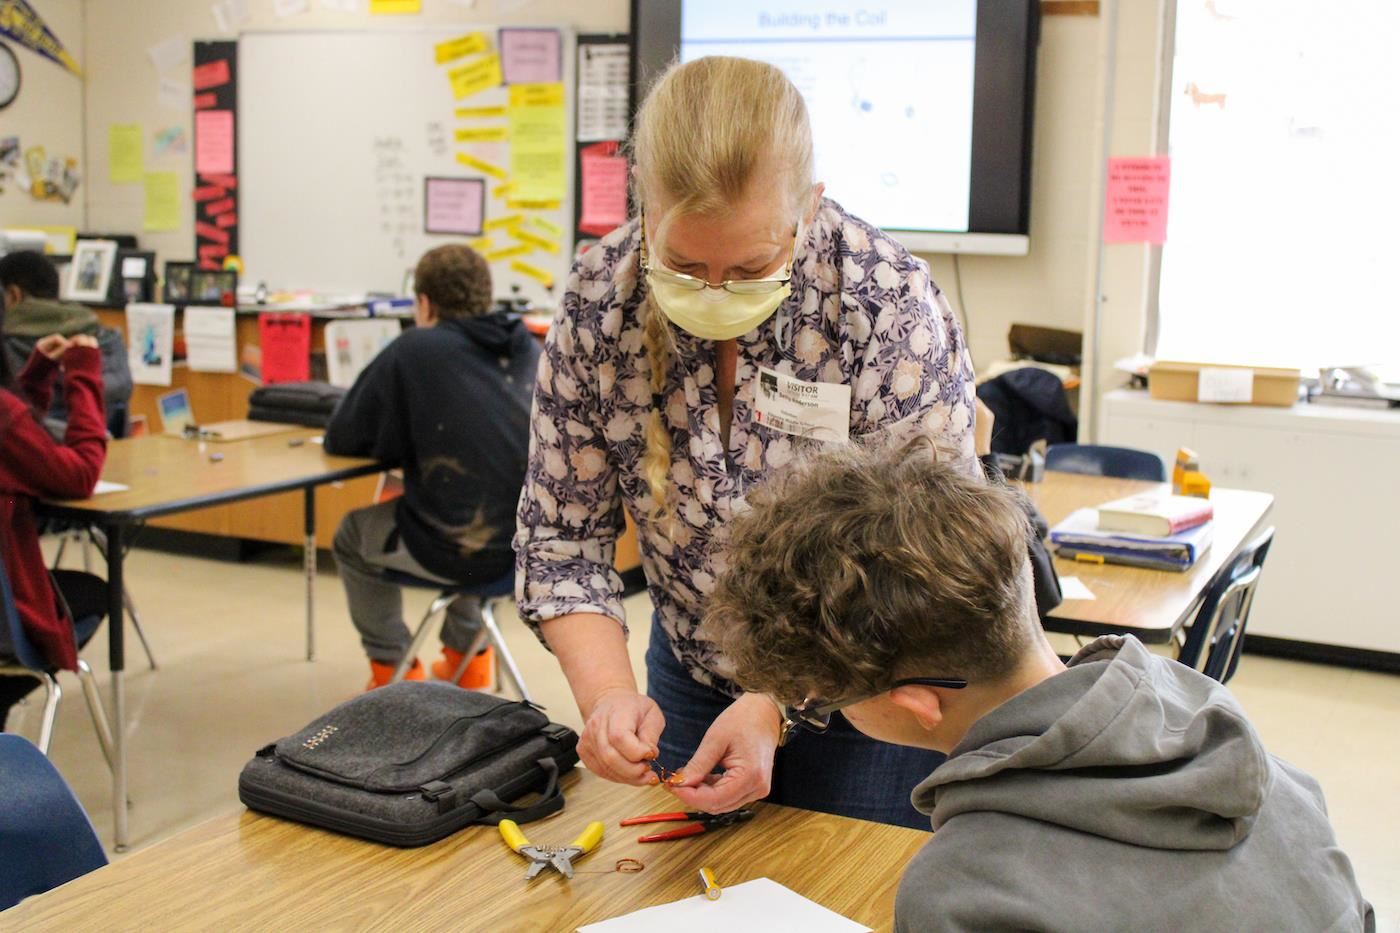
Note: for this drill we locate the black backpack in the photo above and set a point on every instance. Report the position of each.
(412, 762)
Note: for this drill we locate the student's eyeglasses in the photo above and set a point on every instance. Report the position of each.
(733, 286)
(815, 715)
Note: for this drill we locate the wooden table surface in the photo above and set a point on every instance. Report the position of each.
(1150, 604)
(169, 474)
(247, 871)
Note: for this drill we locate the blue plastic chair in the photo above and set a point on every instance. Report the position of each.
(28, 661)
(45, 837)
(490, 593)
(1215, 639)
(1099, 460)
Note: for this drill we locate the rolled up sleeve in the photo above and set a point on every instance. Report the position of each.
(570, 511)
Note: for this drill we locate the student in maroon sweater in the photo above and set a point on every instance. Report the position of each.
(34, 465)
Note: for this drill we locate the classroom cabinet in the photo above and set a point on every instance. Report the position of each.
(1328, 576)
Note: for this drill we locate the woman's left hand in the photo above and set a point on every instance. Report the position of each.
(743, 741)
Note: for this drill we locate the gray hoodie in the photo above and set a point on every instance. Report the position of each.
(1127, 793)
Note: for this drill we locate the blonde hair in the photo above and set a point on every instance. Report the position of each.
(704, 131)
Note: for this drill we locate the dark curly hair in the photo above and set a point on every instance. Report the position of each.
(455, 280)
(867, 564)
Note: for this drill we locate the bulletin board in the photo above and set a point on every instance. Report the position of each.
(352, 144)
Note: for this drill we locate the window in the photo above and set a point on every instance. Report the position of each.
(1284, 224)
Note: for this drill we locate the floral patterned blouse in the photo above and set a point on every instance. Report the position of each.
(863, 312)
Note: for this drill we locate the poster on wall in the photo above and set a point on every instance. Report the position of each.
(150, 346)
(215, 83)
(20, 22)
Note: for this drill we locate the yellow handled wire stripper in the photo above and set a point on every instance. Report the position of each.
(560, 858)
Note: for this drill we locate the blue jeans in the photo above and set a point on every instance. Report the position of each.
(842, 771)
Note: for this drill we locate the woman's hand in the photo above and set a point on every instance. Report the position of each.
(53, 346)
(743, 741)
(83, 340)
(619, 737)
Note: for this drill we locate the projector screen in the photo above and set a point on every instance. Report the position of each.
(921, 109)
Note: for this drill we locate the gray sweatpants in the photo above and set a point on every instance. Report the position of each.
(376, 605)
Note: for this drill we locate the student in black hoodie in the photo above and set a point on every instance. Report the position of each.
(449, 402)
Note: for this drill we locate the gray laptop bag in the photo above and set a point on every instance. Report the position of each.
(412, 762)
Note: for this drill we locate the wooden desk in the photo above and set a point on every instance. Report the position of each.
(1150, 604)
(246, 871)
(167, 475)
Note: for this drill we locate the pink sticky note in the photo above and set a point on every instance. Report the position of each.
(453, 205)
(211, 75)
(602, 189)
(213, 141)
(1135, 204)
(530, 56)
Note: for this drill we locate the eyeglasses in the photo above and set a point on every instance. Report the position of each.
(733, 286)
(815, 715)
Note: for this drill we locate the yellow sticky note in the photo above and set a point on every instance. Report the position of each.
(472, 43)
(125, 157)
(483, 134)
(162, 201)
(534, 272)
(504, 223)
(548, 226)
(535, 240)
(503, 189)
(481, 244)
(475, 77)
(471, 161)
(480, 113)
(515, 204)
(522, 250)
(538, 141)
(394, 7)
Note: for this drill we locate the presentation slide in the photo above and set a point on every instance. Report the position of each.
(888, 87)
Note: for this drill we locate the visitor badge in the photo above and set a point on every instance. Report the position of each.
(819, 410)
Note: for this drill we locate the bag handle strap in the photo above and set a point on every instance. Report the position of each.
(551, 800)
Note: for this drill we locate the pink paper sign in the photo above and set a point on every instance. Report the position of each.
(602, 189)
(286, 347)
(1135, 205)
(530, 56)
(213, 141)
(453, 205)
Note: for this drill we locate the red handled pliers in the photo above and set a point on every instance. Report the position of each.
(700, 822)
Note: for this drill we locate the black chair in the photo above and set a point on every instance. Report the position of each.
(29, 662)
(46, 839)
(502, 590)
(1100, 460)
(1216, 636)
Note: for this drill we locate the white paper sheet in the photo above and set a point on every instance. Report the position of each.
(602, 92)
(1074, 588)
(343, 6)
(230, 15)
(175, 94)
(150, 341)
(350, 345)
(286, 8)
(169, 54)
(761, 904)
(104, 487)
(209, 340)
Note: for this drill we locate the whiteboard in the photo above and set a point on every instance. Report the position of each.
(336, 133)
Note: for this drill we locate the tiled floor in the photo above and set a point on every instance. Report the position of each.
(230, 640)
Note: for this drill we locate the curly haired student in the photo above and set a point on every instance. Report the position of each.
(1120, 791)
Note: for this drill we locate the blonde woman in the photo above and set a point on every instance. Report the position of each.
(738, 320)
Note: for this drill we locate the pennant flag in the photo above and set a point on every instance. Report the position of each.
(19, 22)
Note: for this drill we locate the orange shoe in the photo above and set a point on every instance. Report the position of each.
(381, 674)
(477, 676)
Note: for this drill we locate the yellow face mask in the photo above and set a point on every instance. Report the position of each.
(717, 312)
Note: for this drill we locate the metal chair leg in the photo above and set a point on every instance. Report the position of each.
(438, 605)
(96, 709)
(488, 619)
(58, 555)
(54, 693)
(130, 605)
(87, 557)
(478, 642)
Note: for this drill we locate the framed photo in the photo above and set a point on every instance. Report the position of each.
(209, 287)
(176, 290)
(136, 276)
(90, 273)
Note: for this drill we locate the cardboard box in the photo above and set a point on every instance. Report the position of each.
(1223, 384)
